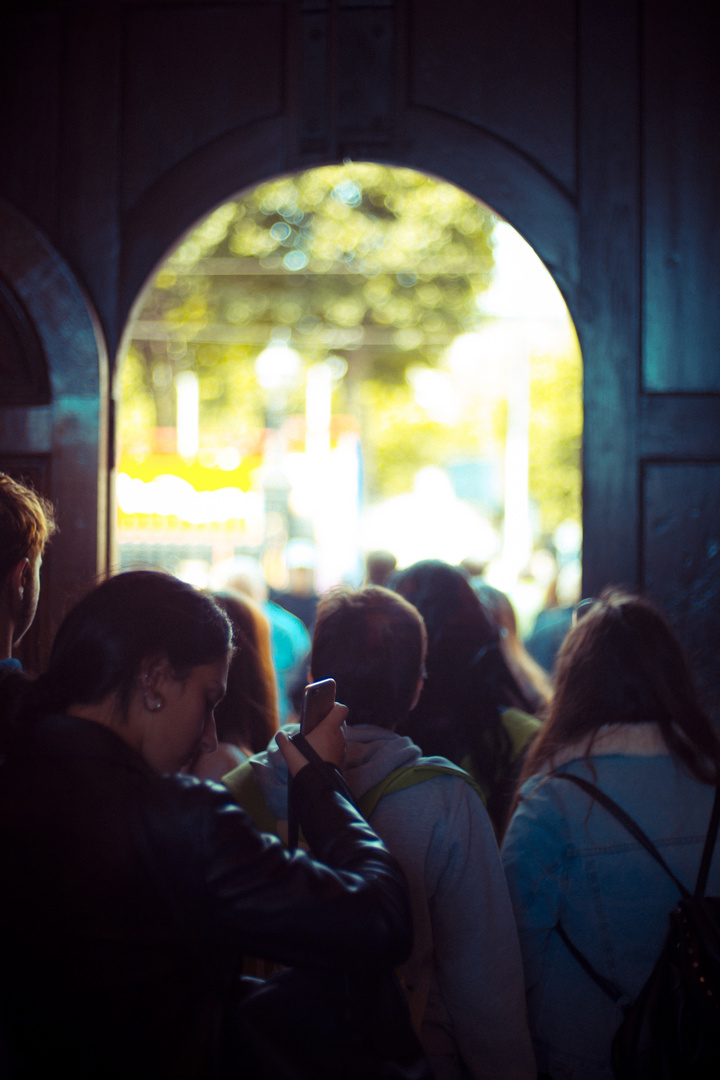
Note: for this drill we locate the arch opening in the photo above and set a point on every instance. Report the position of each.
(349, 358)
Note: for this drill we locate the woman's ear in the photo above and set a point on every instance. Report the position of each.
(154, 672)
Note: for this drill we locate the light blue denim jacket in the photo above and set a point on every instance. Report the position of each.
(568, 859)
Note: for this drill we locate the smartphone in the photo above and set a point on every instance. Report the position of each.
(319, 700)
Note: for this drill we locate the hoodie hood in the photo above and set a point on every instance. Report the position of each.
(372, 753)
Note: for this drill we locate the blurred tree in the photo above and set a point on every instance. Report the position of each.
(380, 266)
(556, 421)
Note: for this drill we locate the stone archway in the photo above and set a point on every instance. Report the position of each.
(53, 428)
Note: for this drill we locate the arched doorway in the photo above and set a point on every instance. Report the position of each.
(245, 284)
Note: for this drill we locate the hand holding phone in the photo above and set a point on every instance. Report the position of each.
(317, 703)
(325, 718)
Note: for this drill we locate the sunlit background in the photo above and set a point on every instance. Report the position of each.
(352, 358)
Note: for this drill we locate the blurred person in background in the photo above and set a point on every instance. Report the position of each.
(553, 622)
(247, 717)
(380, 566)
(300, 597)
(289, 638)
(472, 709)
(534, 682)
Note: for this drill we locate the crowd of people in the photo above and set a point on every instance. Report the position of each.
(454, 879)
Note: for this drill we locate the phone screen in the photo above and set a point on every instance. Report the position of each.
(319, 700)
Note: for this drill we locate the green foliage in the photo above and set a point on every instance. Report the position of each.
(556, 420)
(380, 266)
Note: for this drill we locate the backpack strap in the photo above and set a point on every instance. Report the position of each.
(605, 985)
(407, 776)
(399, 780)
(709, 847)
(634, 829)
(626, 821)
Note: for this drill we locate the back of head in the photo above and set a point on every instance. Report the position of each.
(247, 716)
(26, 523)
(241, 574)
(621, 664)
(379, 567)
(102, 642)
(499, 606)
(371, 642)
(535, 683)
(458, 627)
(468, 680)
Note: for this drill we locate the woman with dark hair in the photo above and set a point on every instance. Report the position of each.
(534, 682)
(471, 710)
(247, 717)
(130, 893)
(626, 718)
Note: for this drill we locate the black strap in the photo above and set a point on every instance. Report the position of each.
(709, 847)
(626, 821)
(632, 827)
(329, 771)
(605, 985)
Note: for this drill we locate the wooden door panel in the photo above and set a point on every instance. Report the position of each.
(681, 558)
(681, 219)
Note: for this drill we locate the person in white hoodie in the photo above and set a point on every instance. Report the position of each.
(464, 977)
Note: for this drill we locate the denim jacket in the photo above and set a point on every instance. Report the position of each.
(566, 858)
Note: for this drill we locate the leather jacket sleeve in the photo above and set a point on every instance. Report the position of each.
(350, 910)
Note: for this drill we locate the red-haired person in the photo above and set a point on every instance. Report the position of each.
(26, 525)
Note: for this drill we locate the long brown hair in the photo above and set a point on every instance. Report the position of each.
(468, 681)
(621, 663)
(248, 714)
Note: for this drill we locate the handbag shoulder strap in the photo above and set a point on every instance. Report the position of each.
(626, 821)
(709, 847)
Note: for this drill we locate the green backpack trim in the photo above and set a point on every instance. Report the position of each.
(246, 792)
(407, 776)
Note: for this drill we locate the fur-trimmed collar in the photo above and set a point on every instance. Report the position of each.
(631, 740)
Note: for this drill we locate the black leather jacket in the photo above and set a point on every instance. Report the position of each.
(128, 899)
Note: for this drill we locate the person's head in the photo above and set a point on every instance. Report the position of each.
(454, 618)
(379, 567)
(151, 652)
(240, 574)
(372, 642)
(468, 680)
(620, 663)
(300, 560)
(535, 683)
(248, 714)
(26, 525)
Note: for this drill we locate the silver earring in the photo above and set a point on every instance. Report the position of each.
(152, 704)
